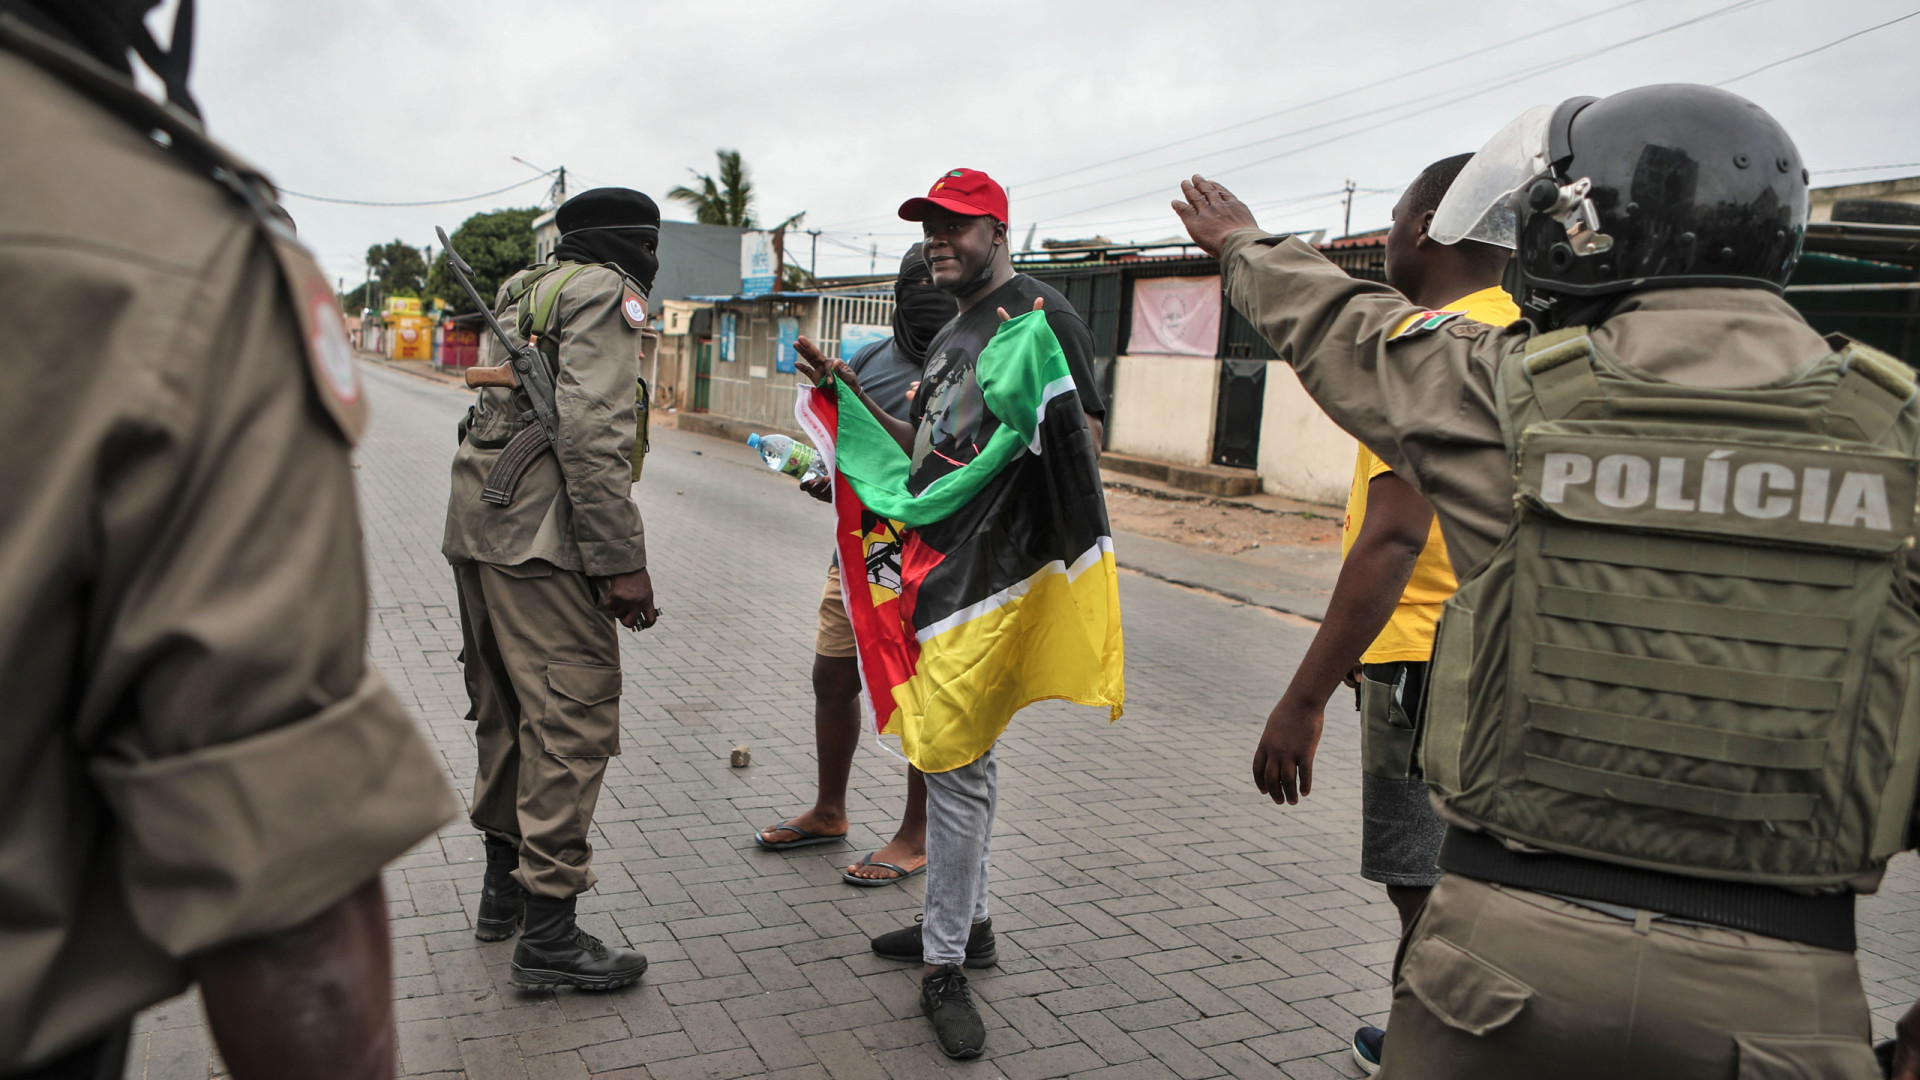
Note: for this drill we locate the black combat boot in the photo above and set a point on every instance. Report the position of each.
(553, 951)
(503, 903)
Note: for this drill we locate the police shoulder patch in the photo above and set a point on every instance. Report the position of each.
(1425, 323)
(634, 309)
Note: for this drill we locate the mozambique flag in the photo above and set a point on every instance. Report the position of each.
(993, 587)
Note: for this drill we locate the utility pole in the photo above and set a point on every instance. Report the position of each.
(1348, 230)
(813, 256)
(873, 259)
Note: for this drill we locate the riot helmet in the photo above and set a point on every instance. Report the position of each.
(1660, 186)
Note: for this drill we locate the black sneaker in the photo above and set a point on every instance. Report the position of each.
(945, 1000)
(1368, 1043)
(904, 945)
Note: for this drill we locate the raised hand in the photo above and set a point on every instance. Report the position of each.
(1211, 213)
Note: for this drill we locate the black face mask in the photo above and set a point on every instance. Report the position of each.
(920, 308)
(629, 247)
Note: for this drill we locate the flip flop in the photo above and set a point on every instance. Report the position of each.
(901, 873)
(806, 839)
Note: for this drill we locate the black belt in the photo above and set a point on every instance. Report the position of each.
(1822, 919)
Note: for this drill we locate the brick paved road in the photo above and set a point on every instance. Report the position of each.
(1156, 918)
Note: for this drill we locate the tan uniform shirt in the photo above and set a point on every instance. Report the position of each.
(196, 748)
(1425, 402)
(574, 507)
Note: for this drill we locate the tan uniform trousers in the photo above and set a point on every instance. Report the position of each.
(1499, 982)
(543, 675)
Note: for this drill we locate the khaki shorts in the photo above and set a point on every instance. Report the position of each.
(835, 636)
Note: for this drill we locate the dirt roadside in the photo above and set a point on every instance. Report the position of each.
(1222, 526)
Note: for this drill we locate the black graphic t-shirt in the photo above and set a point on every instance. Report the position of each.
(951, 420)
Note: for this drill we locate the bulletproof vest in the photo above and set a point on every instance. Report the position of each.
(1695, 649)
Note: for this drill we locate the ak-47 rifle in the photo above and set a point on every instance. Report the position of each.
(525, 369)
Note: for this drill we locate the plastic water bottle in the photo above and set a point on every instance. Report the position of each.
(784, 455)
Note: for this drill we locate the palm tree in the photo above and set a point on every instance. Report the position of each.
(727, 202)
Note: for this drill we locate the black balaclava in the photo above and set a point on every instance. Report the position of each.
(920, 307)
(107, 29)
(611, 225)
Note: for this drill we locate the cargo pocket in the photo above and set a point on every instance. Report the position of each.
(582, 719)
(1792, 1057)
(1386, 731)
(1462, 990)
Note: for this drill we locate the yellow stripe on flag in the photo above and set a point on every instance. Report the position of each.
(1054, 636)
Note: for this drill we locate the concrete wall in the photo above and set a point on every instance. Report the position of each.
(1303, 455)
(1163, 407)
(750, 388)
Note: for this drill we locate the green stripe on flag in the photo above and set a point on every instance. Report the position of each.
(1019, 371)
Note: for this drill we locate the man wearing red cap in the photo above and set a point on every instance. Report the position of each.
(964, 221)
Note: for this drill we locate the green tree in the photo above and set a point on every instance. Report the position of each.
(727, 201)
(397, 268)
(497, 244)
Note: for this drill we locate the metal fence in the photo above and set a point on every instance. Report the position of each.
(839, 311)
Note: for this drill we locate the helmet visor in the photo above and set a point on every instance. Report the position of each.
(1480, 204)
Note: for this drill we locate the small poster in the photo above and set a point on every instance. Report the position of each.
(784, 358)
(729, 329)
(1176, 316)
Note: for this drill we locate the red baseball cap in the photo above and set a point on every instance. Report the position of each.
(963, 191)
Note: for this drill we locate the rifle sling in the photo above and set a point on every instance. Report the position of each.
(514, 460)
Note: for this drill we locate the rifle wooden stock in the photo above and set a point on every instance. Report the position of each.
(492, 376)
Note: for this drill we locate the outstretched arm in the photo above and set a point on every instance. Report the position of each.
(1371, 580)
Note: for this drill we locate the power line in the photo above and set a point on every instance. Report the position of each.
(1820, 48)
(1337, 95)
(421, 202)
(1484, 88)
(1022, 185)
(1869, 168)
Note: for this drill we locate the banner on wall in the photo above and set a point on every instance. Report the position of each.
(757, 267)
(1176, 316)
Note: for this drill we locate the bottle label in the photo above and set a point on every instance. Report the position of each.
(800, 460)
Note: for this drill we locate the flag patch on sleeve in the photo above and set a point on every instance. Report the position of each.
(1425, 323)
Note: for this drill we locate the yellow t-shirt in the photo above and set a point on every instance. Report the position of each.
(1409, 634)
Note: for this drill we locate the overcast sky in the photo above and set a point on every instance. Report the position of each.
(844, 109)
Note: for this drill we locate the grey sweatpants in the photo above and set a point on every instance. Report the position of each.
(960, 806)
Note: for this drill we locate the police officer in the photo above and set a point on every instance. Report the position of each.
(548, 552)
(203, 775)
(1672, 722)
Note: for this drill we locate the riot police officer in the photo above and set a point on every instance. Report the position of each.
(1673, 721)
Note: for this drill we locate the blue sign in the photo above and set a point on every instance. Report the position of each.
(783, 357)
(757, 266)
(857, 336)
(729, 329)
